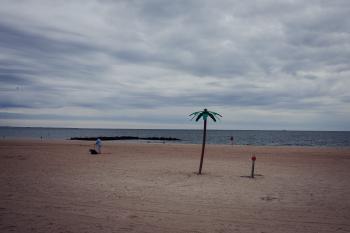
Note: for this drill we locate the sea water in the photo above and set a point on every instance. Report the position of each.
(240, 137)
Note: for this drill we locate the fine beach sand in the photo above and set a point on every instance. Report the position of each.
(56, 186)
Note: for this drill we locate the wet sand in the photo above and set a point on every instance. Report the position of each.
(56, 186)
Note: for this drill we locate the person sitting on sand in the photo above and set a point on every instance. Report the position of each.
(98, 145)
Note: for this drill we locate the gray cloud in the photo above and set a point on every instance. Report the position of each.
(123, 57)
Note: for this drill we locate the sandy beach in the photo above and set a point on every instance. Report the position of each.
(56, 186)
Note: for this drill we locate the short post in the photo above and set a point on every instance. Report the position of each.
(253, 164)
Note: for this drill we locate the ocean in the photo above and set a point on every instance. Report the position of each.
(241, 137)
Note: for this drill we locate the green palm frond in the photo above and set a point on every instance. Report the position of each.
(199, 116)
(212, 116)
(195, 113)
(204, 114)
(215, 113)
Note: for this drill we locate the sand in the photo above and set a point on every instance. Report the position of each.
(56, 186)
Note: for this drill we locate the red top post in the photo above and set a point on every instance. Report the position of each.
(253, 158)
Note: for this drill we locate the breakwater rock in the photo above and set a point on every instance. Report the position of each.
(125, 138)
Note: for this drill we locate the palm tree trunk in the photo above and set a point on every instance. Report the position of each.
(203, 146)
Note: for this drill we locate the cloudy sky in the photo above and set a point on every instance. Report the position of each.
(149, 64)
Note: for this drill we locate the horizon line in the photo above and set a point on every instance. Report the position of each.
(93, 128)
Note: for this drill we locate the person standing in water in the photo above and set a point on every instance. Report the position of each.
(98, 145)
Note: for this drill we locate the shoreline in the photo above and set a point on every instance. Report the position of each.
(133, 142)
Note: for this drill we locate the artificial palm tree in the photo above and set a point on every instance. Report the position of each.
(204, 114)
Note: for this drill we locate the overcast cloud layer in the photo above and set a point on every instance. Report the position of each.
(149, 64)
